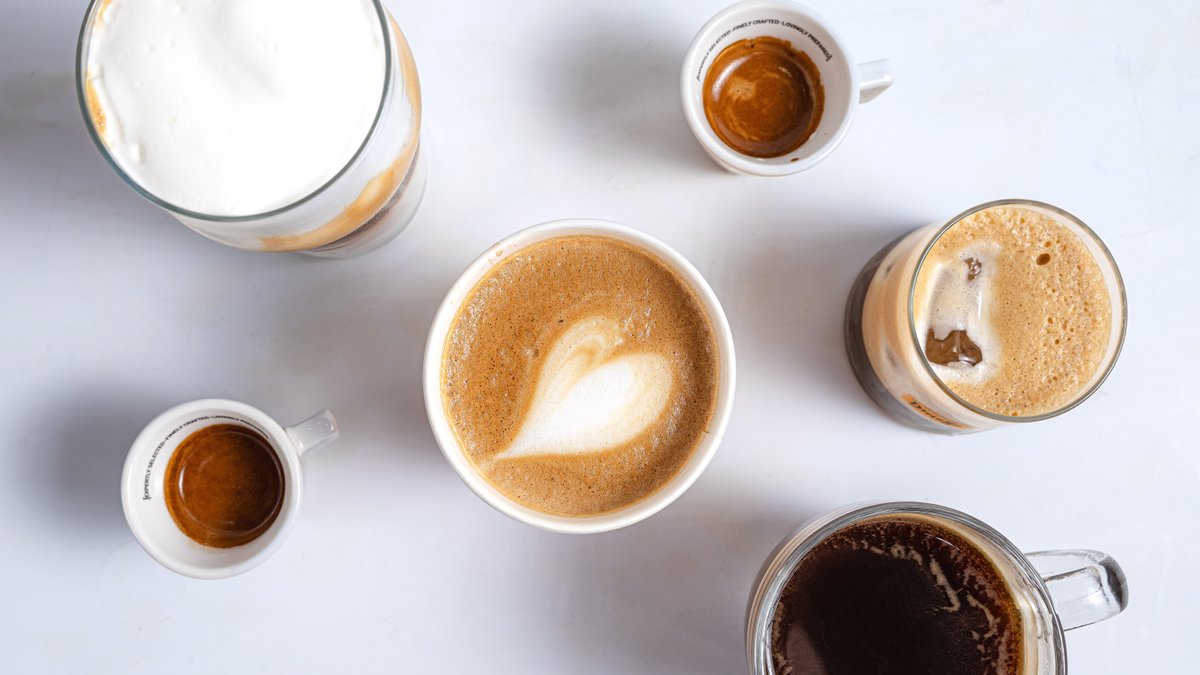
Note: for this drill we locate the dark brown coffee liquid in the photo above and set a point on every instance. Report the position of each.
(224, 485)
(763, 97)
(896, 595)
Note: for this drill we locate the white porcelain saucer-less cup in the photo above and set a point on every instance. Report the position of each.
(146, 465)
(448, 442)
(846, 82)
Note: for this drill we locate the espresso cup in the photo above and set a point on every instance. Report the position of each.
(143, 484)
(1054, 591)
(722, 392)
(845, 82)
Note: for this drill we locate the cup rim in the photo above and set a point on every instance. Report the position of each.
(281, 444)
(786, 556)
(698, 122)
(81, 63)
(448, 442)
(1106, 258)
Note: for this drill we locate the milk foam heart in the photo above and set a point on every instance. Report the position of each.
(588, 402)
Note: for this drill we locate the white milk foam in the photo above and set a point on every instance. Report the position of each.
(587, 402)
(958, 303)
(236, 107)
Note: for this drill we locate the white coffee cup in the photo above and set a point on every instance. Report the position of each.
(448, 442)
(142, 480)
(846, 83)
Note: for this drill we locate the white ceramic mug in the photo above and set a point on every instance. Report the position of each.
(142, 484)
(448, 442)
(846, 82)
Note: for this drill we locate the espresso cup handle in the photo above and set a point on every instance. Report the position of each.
(313, 432)
(1086, 586)
(874, 77)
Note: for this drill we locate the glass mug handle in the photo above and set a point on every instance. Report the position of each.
(1085, 586)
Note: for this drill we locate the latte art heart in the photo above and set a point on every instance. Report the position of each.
(580, 375)
(589, 401)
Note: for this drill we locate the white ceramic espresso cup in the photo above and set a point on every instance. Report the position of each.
(142, 483)
(448, 442)
(846, 82)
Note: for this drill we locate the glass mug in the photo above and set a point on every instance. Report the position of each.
(1056, 591)
(885, 351)
(845, 82)
(365, 205)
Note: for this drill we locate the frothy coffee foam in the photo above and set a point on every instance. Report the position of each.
(230, 107)
(1029, 295)
(580, 375)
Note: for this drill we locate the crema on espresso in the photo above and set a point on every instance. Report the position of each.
(580, 375)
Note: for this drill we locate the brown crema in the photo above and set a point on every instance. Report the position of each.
(763, 97)
(513, 319)
(224, 485)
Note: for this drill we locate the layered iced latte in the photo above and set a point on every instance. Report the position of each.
(275, 125)
(1012, 311)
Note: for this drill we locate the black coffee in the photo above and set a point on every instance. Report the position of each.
(896, 595)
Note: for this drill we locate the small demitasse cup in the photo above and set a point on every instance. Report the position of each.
(844, 82)
(436, 406)
(145, 486)
(1050, 591)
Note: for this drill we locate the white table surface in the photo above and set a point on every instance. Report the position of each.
(112, 312)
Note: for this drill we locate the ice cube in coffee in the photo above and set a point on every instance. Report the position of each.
(1013, 311)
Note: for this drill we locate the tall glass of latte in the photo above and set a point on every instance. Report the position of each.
(1012, 311)
(275, 125)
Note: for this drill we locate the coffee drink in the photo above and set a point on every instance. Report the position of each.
(224, 485)
(897, 593)
(579, 375)
(1012, 311)
(763, 97)
(227, 113)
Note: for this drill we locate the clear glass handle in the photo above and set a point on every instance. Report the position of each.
(1086, 586)
(313, 432)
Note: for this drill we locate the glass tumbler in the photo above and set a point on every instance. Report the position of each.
(885, 351)
(366, 203)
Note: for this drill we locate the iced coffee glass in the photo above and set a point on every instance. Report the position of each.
(1012, 311)
(348, 207)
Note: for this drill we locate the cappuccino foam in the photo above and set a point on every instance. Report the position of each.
(234, 108)
(580, 375)
(1015, 309)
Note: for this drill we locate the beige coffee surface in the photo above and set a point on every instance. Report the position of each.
(1046, 316)
(572, 319)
